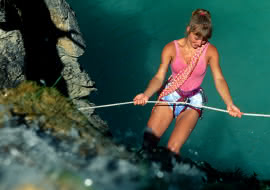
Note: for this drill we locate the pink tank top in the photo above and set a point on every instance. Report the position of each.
(196, 78)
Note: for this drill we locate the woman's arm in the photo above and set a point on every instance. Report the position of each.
(220, 82)
(156, 82)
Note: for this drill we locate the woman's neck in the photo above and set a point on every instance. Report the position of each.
(185, 44)
(188, 45)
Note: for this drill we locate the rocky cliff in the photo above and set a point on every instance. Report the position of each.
(40, 40)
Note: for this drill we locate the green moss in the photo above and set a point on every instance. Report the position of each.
(54, 111)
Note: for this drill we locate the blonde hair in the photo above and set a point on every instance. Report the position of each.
(200, 23)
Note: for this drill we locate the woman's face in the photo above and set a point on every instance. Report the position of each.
(196, 41)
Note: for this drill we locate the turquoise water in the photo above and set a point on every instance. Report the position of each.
(124, 41)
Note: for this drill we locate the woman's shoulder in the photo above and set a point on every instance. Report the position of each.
(169, 48)
(212, 54)
(170, 45)
(212, 50)
(211, 47)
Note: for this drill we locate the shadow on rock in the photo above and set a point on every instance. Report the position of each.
(40, 36)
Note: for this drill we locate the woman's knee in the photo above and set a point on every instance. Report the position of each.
(174, 147)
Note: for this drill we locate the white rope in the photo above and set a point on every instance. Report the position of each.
(166, 103)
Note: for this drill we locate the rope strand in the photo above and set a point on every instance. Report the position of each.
(176, 103)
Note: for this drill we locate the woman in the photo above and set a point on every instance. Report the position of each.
(188, 58)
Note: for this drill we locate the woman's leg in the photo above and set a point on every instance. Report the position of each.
(185, 123)
(159, 121)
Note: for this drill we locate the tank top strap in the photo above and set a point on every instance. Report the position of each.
(176, 47)
(205, 49)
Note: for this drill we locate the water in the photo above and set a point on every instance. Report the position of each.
(124, 41)
(32, 158)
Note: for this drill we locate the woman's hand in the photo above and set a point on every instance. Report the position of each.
(234, 111)
(140, 99)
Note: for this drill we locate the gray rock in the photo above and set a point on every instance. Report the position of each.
(27, 52)
(19, 39)
(11, 59)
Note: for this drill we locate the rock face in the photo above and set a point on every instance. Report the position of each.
(11, 59)
(40, 40)
(70, 47)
